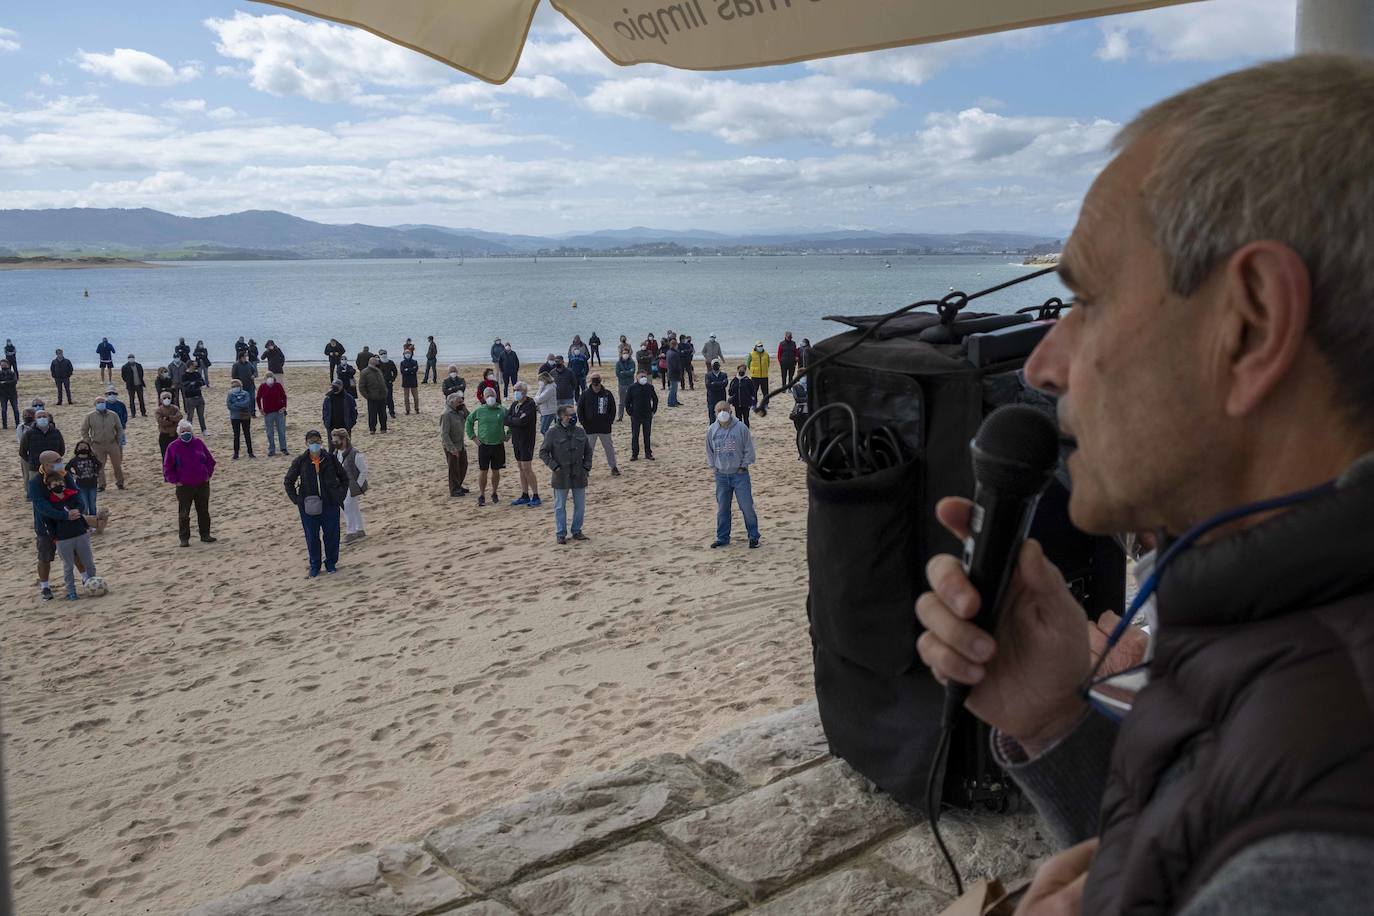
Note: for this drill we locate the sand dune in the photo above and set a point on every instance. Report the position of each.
(219, 718)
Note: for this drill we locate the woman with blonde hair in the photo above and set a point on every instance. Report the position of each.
(356, 470)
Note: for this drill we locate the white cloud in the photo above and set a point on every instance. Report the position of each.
(475, 94)
(184, 106)
(222, 113)
(814, 107)
(569, 54)
(47, 79)
(9, 40)
(319, 60)
(138, 67)
(1218, 30)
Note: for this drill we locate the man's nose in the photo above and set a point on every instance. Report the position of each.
(1047, 369)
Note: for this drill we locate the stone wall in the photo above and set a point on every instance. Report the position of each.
(761, 819)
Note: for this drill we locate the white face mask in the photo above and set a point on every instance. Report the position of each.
(167, 402)
(491, 400)
(271, 381)
(453, 375)
(643, 380)
(723, 417)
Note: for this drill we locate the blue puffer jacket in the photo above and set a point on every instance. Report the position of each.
(240, 404)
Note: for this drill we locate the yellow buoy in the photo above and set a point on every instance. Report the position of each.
(574, 303)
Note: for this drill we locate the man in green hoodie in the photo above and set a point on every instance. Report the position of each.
(487, 427)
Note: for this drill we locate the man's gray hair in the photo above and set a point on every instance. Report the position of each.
(1283, 151)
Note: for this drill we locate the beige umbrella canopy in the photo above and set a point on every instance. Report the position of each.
(484, 37)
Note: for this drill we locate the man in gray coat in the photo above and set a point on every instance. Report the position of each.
(568, 453)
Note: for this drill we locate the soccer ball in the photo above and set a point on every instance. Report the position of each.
(95, 587)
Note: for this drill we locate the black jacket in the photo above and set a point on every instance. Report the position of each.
(717, 384)
(182, 352)
(9, 383)
(510, 363)
(62, 368)
(301, 480)
(389, 371)
(787, 353)
(349, 376)
(674, 365)
(410, 373)
(202, 357)
(522, 417)
(432, 351)
(340, 410)
(453, 383)
(190, 384)
(641, 401)
(244, 373)
(596, 412)
(564, 383)
(334, 351)
(276, 359)
(132, 373)
(741, 392)
(37, 441)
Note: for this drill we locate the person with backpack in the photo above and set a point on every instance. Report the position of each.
(318, 485)
(239, 403)
(189, 465)
(788, 357)
(355, 468)
(740, 394)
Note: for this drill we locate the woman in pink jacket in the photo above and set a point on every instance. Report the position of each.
(189, 464)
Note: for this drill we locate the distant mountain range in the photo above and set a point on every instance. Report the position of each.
(268, 234)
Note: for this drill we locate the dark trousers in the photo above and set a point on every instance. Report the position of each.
(596, 355)
(200, 496)
(743, 414)
(7, 403)
(164, 440)
(390, 402)
(333, 367)
(789, 372)
(688, 374)
(431, 368)
(760, 391)
(507, 379)
(323, 527)
(137, 393)
(636, 426)
(64, 384)
(245, 427)
(457, 470)
(376, 410)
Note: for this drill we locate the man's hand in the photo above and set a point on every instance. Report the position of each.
(1058, 886)
(1025, 683)
(73, 514)
(1126, 654)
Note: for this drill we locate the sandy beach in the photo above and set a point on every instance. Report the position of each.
(219, 719)
(72, 264)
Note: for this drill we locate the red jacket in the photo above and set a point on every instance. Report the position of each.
(482, 387)
(271, 398)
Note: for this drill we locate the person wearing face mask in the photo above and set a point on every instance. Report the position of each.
(162, 384)
(522, 418)
(717, 388)
(596, 413)
(687, 351)
(624, 378)
(347, 376)
(487, 427)
(453, 384)
(594, 344)
(372, 386)
(271, 400)
(568, 454)
(116, 407)
(11, 355)
(71, 532)
(578, 364)
(644, 360)
(488, 384)
(710, 351)
(192, 399)
(549, 363)
(335, 353)
(176, 371)
(102, 429)
(85, 471)
(510, 369)
(106, 351)
(240, 406)
(758, 372)
(276, 359)
(451, 436)
(61, 370)
(641, 403)
(389, 374)
(202, 360)
(41, 435)
(168, 417)
(801, 407)
(318, 485)
(340, 409)
(9, 393)
(787, 358)
(410, 381)
(546, 400)
(244, 372)
(355, 469)
(741, 395)
(132, 374)
(729, 452)
(189, 465)
(48, 465)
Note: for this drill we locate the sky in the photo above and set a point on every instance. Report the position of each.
(202, 107)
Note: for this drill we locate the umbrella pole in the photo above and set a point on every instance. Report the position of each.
(1336, 27)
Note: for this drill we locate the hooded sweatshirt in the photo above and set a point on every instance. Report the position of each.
(730, 448)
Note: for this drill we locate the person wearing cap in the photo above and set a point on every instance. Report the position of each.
(189, 465)
(244, 372)
(336, 354)
(116, 406)
(318, 485)
(340, 409)
(106, 351)
(717, 385)
(729, 452)
(192, 399)
(389, 375)
(431, 361)
(522, 417)
(758, 372)
(47, 463)
(624, 377)
(487, 427)
(596, 413)
(132, 374)
(372, 386)
(9, 393)
(271, 399)
(410, 381)
(451, 437)
(102, 429)
(61, 370)
(355, 469)
(510, 369)
(567, 452)
(239, 403)
(168, 418)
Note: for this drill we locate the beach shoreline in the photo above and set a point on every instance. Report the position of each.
(73, 264)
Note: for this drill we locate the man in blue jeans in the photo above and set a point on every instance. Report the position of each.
(568, 453)
(729, 452)
(317, 484)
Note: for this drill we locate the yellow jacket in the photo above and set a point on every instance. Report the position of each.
(758, 364)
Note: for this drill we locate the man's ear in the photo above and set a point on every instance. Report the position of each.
(1267, 299)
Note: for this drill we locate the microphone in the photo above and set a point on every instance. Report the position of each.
(1015, 455)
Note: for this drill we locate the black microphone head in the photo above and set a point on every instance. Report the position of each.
(1016, 450)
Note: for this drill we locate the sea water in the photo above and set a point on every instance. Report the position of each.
(467, 304)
